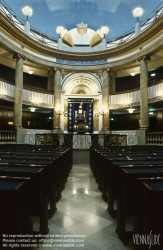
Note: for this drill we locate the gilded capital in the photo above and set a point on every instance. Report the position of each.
(15, 56)
(145, 57)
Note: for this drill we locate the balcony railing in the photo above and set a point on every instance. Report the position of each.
(51, 42)
(154, 138)
(81, 141)
(7, 136)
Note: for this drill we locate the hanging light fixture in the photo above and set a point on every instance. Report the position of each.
(130, 110)
(32, 109)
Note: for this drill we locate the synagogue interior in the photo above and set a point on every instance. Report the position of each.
(81, 125)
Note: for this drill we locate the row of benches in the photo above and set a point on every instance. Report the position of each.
(133, 176)
(31, 181)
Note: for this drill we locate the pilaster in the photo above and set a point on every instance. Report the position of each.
(105, 97)
(18, 90)
(57, 97)
(144, 112)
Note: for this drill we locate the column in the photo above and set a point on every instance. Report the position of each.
(27, 27)
(137, 28)
(18, 91)
(57, 97)
(62, 109)
(50, 85)
(104, 44)
(112, 80)
(105, 97)
(144, 112)
(60, 43)
(96, 115)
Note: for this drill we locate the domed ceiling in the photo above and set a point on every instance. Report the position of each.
(117, 14)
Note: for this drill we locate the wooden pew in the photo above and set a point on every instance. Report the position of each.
(127, 197)
(15, 206)
(57, 171)
(149, 215)
(113, 172)
(105, 168)
(38, 191)
(51, 179)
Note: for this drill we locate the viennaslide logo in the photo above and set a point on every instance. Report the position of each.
(147, 239)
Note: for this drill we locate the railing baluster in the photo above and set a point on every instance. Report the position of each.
(154, 138)
(7, 136)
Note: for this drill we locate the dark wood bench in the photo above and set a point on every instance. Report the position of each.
(149, 216)
(15, 206)
(38, 191)
(127, 197)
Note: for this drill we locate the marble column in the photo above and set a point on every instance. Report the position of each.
(96, 115)
(57, 98)
(50, 85)
(112, 81)
(18, 91)
(144, 112)
(105, 98)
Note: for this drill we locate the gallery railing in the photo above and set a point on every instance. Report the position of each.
(52, 42)
(154, 138)
(7, 136)
(81, 141)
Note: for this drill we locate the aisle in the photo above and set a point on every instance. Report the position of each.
(81, 211)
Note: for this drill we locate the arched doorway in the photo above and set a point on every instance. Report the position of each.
(86, 89)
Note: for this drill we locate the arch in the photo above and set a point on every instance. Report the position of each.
(80, 83)
(81, 89)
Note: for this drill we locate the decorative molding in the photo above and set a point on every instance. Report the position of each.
(96, 38)
(87, 100)
(80, 82)
(66, 37)
(98, 75)
(126, 60)
(111, 106)
(29, 103)
(80, 63)
(96, 82)
(149, 38)
(151, 100)
(82, 28)
(17, 55)
(145, 57)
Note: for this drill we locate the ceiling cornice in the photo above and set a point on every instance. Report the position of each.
(28, 42)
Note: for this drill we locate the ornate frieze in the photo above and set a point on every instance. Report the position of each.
(112, 106)
(81, 82)
(151, 100)
(26, 102)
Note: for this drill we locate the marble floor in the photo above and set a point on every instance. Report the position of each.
(82, 218)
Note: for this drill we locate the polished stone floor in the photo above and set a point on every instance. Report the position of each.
(82, 216)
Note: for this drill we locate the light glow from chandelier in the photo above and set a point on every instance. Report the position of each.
(60, 29)
(130, 110)
(137, 12)
(104, 30)
(27, 11)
